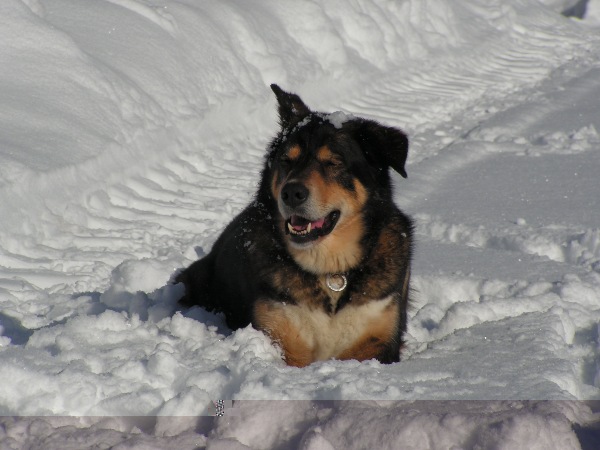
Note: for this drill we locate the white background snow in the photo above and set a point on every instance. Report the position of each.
(132, 131)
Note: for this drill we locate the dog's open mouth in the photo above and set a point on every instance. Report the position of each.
(303, 230)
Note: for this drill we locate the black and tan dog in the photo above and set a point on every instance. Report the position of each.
(320, 260)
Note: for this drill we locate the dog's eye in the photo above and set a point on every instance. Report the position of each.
(285, 161)
(332, 163)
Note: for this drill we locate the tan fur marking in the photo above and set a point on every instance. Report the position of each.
(271, 318)
(405, 284)
(324, 154)
(391, 254)
(308, 334)
(379, 332)
(275, 184)
(294, 152)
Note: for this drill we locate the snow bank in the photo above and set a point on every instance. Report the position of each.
(132, 131)
(319, 426)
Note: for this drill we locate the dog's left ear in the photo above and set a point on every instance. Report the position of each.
(291, 108)
(386, 145)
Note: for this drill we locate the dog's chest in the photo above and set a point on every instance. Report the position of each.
(316, 334)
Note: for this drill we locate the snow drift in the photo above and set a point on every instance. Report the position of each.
(132, 131)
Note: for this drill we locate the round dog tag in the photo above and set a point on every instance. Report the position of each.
(336, 282)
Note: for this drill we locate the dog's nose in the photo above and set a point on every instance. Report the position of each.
(294, 194)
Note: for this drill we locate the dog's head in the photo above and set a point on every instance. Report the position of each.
(326, 174)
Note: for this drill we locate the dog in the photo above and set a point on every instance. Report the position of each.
(320, 259)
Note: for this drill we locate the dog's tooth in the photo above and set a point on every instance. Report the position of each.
(290, 227)
(308, 227)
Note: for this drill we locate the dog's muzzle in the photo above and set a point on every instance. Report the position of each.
(303, 224)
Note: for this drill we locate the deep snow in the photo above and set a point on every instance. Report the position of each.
(132, 131)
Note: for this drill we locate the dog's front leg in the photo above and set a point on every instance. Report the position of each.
(283, 324)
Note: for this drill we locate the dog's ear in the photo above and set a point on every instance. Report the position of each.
(291, 108)
(386, 145)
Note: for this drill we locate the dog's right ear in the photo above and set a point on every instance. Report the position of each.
(291, 108)
(386, 145)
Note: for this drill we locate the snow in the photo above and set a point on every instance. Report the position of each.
(132, 131)
(338, 118)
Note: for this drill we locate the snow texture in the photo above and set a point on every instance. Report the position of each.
(132, 131)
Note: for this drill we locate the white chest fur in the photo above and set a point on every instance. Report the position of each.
(317, 335)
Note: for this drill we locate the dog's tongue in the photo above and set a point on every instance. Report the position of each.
(300, 223)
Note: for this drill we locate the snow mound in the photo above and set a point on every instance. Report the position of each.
(132, 131)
